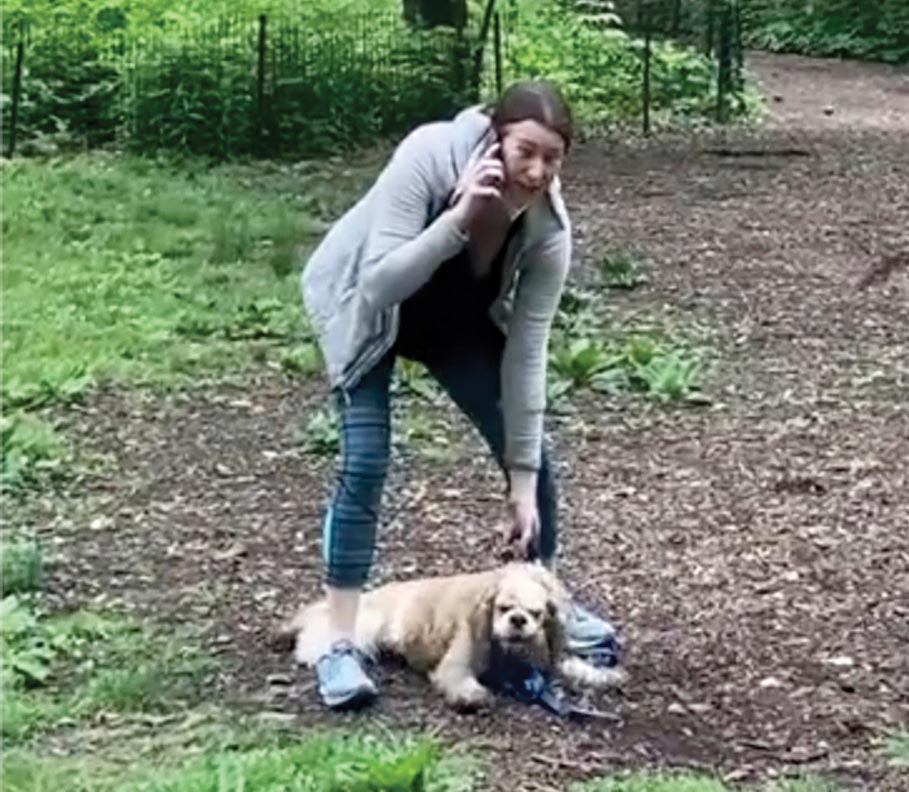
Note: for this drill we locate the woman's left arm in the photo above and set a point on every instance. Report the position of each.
(524, 363)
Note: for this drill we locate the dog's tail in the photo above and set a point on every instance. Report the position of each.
(283, 638)
(309, 634)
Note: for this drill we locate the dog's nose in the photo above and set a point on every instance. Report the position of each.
(518, 620)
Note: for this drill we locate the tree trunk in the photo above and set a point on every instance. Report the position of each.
(434, 13)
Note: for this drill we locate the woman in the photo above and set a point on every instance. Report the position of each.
(456, 257)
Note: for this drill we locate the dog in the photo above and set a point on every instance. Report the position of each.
(446, 628)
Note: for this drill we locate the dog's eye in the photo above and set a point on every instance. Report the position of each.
(536, 614)
(502, 608)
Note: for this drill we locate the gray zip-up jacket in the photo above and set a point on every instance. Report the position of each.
(394, 238)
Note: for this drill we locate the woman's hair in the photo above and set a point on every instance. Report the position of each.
(535, 100)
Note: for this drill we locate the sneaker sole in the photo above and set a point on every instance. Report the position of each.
(351, 702)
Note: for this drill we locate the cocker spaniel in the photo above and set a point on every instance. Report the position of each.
(446, 628)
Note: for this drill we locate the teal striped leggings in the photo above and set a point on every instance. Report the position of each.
(470, 375)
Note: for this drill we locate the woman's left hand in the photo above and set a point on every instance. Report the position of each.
(523, 526)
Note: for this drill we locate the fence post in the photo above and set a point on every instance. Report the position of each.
(739, 47)
(260, 79)
(644, 22)
(676, 23)
(708, 39)
(17, 91)
(724, 66)
(478, 53)
(497, 42)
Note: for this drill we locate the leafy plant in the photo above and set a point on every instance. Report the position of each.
(638, 364)
(668, 377)
(26, 656)
(621, 269)
(411, 377)
(21, 566)
(30, 449)
(870, 29)
(322, 434)
(896, 748)
(304, 359)
(600, 66)
(578, 361)
(80, 663)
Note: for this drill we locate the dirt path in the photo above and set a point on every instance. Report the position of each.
(756, 551)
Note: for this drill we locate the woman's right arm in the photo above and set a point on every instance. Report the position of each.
(402, 252)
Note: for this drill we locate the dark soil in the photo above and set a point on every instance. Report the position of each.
(755, 550)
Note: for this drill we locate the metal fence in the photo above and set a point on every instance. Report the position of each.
(305, 85)
(714, 27)
(261, 85)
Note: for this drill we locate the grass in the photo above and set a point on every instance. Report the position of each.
(223, 756)
(150, 273)
(96, 702)
(67, 668)
(127, 269)
(896, 748)
(163, 274)
(30, 450)
(21, 566)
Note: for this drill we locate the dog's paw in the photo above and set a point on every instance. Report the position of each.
(468, 696)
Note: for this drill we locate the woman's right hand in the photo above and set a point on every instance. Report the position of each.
(480, 184)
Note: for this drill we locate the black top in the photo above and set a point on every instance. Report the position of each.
(454, 302)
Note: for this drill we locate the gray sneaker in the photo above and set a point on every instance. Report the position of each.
(591, 637)
(343, 682)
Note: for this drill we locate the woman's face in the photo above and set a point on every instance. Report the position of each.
(533, 156)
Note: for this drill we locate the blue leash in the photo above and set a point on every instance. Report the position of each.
(525, 682)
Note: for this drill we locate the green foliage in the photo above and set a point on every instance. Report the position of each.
(78, 664)
(583, 355)
(237, 757)
(637, 364)
(30, 450)
(600, 68)
(412, 378)
(21, 566)
(305, 360)
(621, 269)
(896, 748)
(322, 433)
(185, 76)
(117, 268)
(870, 29)
(332, 765)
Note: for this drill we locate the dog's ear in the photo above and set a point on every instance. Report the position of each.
(482, 616)
(554, 627)
(557, 601)
(558, 594)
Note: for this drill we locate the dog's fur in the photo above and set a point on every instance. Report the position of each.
(445, 627)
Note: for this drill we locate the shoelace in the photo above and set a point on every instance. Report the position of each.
(333, 659)
(604, 654)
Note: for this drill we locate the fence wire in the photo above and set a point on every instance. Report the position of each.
(298, 85)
